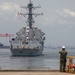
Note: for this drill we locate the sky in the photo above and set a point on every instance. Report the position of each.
(58, 21)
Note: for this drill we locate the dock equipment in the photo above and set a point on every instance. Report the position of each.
(71, 64)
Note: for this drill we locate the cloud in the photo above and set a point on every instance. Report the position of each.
(69, 12)
(56, 21)
(9, 6)
(48, 21)
(8, 10)
(61, 24)
(66, 12)
(64, 17)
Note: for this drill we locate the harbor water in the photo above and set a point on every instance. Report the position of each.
(49, 60)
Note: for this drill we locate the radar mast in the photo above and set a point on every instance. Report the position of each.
(30, 15)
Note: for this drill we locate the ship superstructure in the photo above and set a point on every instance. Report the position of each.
(29, 40)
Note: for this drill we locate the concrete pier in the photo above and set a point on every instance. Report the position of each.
(32, 72)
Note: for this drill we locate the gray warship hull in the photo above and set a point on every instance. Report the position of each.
(26, 52)
(29, 40)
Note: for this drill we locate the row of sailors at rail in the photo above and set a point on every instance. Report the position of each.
(27, 39)
(21, 47)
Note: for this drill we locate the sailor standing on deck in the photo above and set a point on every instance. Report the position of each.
(63, 54)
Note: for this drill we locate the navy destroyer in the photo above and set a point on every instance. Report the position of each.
(29, 40)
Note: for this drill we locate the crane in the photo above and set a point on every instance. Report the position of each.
(6, 35)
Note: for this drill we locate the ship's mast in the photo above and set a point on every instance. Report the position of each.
(30, 18)
(30, 14)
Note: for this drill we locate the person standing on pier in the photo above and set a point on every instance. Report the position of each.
(63, 54)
